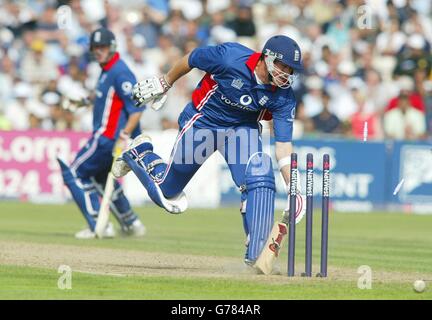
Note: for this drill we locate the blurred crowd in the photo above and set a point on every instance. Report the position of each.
(367, 62)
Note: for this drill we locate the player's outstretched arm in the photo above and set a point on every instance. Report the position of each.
(178, 70)
(155, 89)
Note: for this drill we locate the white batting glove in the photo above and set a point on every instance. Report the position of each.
(152, 89)
(300, 208)
(72, 105)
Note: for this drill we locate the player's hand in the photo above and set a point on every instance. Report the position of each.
(152, 89)
(300, 208)
(124, 140)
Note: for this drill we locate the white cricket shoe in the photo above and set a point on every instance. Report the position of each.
(120, 167)
(88, 234)
(137, 229)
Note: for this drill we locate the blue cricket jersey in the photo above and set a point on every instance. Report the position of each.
(229, 93)
(113, 103)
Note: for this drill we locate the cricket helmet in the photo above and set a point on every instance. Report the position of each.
(287, 51)
(103, 37)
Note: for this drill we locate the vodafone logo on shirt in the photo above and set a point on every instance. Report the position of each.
(245, 100)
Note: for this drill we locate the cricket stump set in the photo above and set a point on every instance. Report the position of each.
(309, 215)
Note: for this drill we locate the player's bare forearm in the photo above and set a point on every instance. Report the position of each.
(132, 123)
(180, 68)
(283, 150)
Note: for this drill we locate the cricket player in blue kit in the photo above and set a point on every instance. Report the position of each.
(240, 88)
(115, 119)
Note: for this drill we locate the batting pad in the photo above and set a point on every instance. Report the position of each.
(260, 186)
(84, 193)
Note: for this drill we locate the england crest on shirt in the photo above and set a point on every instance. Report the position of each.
(237, 83)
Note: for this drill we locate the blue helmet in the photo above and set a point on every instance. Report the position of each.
(103, 37)
(286, 50)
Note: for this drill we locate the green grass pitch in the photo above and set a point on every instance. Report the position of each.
(198, 255)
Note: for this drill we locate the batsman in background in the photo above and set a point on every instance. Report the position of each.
(115, 120)
(240, 88)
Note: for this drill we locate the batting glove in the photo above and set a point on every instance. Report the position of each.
(151, 90)
(72, 105)
(300, 208)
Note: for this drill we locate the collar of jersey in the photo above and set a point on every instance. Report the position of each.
(251, 63)
(112, 62)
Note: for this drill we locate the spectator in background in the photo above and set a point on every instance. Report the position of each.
(243, 24)
(221, 34)
(7, 75)
(406, 88)
(76, 57)
(391, 40)
(17, 111)
(56, 121)
(338, 31)
(420, 77)
(36, 66)
(7, 72)
(428, 98)
(313, 100)
(47, 27)
(192, 32)
(73, 81)
(303, 17)
(176, 28)
(327, 68)
(413, 57)
(321, 11)
(51, 87)
(279, 20)
(364, 61)
(364, 115)
(70, 122)
(136, 59)
(325, 121)
(161, 55)
(404, 122)
(342, 103)
(149, 26)
(159, 8)
(81, 18)
(378, 93)
(218, 32)
(419, 23)
(303, 125)
(318, 41)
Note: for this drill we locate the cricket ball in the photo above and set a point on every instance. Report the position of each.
(419, 286)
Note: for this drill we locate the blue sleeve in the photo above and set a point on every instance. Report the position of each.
(283, 120)
(123, 86)
(210, 59)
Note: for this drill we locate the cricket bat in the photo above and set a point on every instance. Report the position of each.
(104, 210)
(272, 247)
(270, 252)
